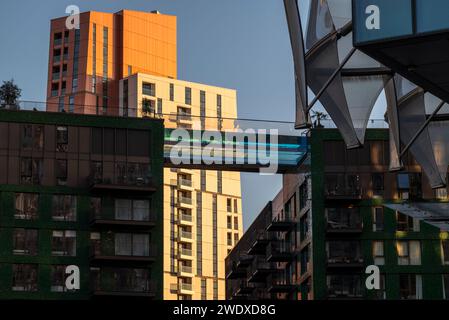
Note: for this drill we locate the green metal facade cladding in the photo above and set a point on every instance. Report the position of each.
(431, 268)
(45, 224)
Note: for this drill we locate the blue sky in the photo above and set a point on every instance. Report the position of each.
(240, 44)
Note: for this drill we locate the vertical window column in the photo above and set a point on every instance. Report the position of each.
(199, 232)
(94, 58)
(105, 69)
(76, 52)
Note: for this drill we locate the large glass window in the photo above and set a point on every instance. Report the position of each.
(378, 253)
(64, 243)
(343, 218)
(410, 286)
(409, 252)
(342, 251)
(149, 89)
(406, 223)
(344, 286)
(62, 139)
(64, 208)
(26, 205)
(188, 96)
(31, 171)
(378, 219)
(61, 172)
(137, 210)
(24, 277)
(58, 278)
(127, 244)
(25, 241)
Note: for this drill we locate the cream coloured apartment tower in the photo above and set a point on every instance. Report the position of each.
(202, 208)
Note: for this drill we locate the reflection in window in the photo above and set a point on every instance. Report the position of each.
(64, 243)
(24, 277)
(378, 253)
(58, 278)
(406, 223)
(409, 253)
(31, 171)
(62, 139)
(344, 252)
(127, 244)
(25, 241)
(410, 286)
(64, 208)
(132, 210)
(26, 205)
(344, 286)
(343, 218)
(61, 172)
(378, 219)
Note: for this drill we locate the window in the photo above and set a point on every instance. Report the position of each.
(159, 106)
(236, 223)
(445, 252)
(61, 104)
(64, 208)
(229, 204)
(71, 104)
(127, 244)
(236, 238)
(235, 206)
(61, 172)
(378, 253)
(344, 286)
(219, 98)
(378, 184)
(344, 218)
(58, 278)
(203, 180)
(62, 139)
(149, 89)
(188, 96)
(341, 251)
(409, 253)
(130, 70)
(203, 289)
(303, 195)
(172, 92)
(148, 107)
(410, 286)
(132, 210)
(33, 137)
(95, 208)
(378, 219)
(24, 277)
(26, 205)
(215, 289)
(229, 222)
(64, 243)
(406, 223)
(219, 181)
(31, 171)
(25, 242)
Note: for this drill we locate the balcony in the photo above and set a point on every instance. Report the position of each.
(343, 220)
(344, 254)
(259, 245)
(185, 271)
(344, 287)
(107, 221)
(278, 285)
(185, 288)
(185, 254)
(279, 252)
(343, 187)
(122, 283)
(184, 201)
(102, 254)
(259, 270)
(238, 269)
(185, 219)
(141, 184)
(185, 236)
(183, 183)
(279, 224)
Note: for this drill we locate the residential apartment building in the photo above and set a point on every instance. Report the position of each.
(202, 208)
(345, 227)
(85, 191)
(86, 64)
(135, 68)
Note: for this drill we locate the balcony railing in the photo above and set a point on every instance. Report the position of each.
(184, 200)
(101, 218)
(106, 253)
(185, 269)
(185, 252)
(121, 182)
(184, 182)
(278, 251)
(185, 235)
(186, 286)
(118, 282)
(185, 217)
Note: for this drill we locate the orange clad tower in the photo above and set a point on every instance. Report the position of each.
(86, 64)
